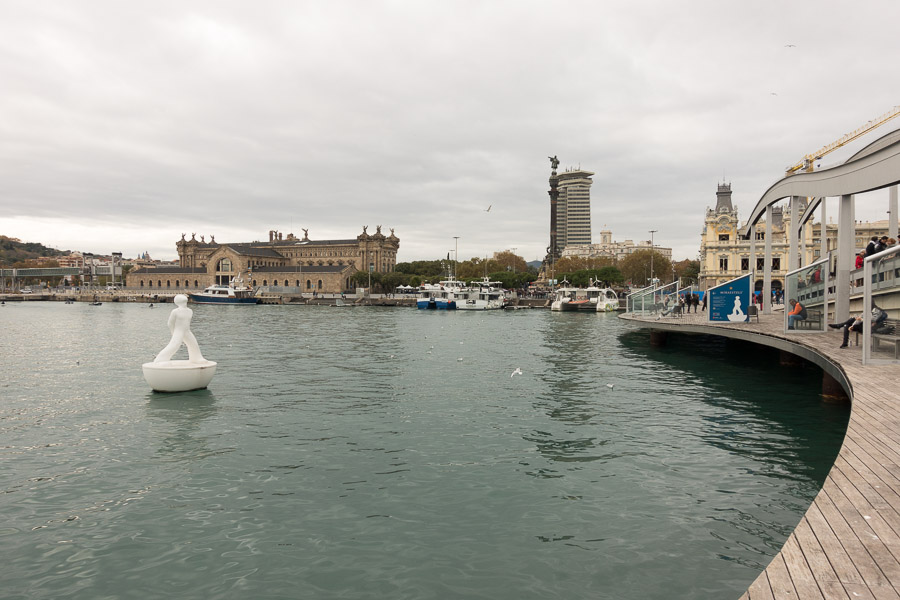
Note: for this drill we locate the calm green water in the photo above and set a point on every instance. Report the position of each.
(348, 453)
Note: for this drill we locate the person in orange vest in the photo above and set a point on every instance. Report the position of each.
(798, 313)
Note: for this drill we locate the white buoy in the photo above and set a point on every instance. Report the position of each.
(167, 375)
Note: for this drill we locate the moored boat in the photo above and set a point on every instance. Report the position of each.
(482, 295)
(233, 293)
(607, 300)
(441, 296)
(565, 300)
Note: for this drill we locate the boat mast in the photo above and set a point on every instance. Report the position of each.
(455, 256)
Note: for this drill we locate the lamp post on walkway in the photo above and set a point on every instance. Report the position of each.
(652, 231)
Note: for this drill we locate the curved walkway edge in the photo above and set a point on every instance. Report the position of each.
(847, 545)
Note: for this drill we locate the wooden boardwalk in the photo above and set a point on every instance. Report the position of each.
(847, 545)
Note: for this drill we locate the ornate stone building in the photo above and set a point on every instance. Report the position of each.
(724, 256)
(307, 265)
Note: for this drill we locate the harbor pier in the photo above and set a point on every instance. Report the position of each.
(847, 544)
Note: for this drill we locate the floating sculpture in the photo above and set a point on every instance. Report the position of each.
(167, 375)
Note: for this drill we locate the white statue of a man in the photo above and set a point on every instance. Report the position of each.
(180, 326)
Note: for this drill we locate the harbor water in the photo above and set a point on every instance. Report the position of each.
(365, 452)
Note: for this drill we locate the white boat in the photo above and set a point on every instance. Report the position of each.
(440, 296)
(482, 295)
(566, 300)
(606, 300)
(233, 293)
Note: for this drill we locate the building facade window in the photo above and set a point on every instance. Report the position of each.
(723, 237)
(723, 263)
(776, 263)
(745, 264)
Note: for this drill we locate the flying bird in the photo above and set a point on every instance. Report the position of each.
(790, 45)
(488, 209)
(518, 371)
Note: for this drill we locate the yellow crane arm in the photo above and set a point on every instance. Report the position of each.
(807, 163)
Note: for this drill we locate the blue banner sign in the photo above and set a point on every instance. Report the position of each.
(729, 301)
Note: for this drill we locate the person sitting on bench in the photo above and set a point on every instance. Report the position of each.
(856, 323)
(798, 313)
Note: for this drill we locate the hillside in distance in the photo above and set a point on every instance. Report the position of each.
(14, 251)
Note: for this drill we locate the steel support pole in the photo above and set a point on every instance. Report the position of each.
(767, 264)
(892, 217)
(752, 264)
(792, 231)
(846, 249)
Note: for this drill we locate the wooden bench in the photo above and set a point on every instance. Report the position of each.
(888, 338)
(813, 320)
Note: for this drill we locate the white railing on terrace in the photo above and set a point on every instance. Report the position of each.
(651, 300)
(881, 341)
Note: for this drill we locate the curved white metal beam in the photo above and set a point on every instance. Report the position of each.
(875, 167)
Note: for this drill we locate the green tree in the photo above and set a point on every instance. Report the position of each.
(688, 270)
(636, 267)
(360, 279)
(610, 275)
(391, 281)
(605, 276)
(427, 268)
(571, 264)
(510, 280)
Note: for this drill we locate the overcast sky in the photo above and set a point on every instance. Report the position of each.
(124, 124)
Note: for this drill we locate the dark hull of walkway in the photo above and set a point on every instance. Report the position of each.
(847, 545)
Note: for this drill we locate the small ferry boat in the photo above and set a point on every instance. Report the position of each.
(482, 295)
(440, 296)
(607, 301)
(600, 299)
(566, 300)
(233, 293)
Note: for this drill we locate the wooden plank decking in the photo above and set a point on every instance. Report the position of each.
(847, 545)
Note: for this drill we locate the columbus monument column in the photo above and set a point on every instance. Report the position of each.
(552, 249)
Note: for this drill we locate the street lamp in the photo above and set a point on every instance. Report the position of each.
(514, 260)
(652, 231)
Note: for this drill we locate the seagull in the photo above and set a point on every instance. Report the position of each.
(518, 371)
(488, 209)
(774, 94)
(610, 385)
(790, 45)
(459, 359)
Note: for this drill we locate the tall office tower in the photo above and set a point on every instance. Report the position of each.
(573, 209)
